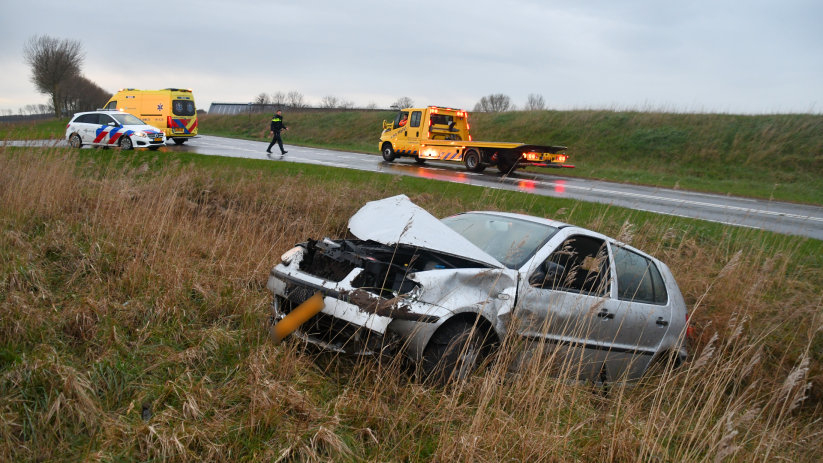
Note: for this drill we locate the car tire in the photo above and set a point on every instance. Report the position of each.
(388, 152)
(454, 353)
(179, 141)
(125, 143)
(75, 141)
(419, 160)
(471, 159)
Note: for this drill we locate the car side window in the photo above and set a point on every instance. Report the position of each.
(638, 278)
(105, 119)
(87, 119)
(579, 265)
(415, 119)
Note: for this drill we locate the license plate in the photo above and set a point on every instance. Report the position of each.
(158, 139)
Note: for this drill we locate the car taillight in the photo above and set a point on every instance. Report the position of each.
(689, 328)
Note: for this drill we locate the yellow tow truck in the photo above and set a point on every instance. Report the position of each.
(442, 134)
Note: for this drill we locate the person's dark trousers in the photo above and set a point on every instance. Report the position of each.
(276, 139)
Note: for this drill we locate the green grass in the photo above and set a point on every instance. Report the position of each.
(34, 130)
(137, 280)
(776, 156)
(772, 156)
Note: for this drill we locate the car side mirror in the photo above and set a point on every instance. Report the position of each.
(111, 124)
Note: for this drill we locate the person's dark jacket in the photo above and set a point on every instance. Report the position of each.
(277, 124)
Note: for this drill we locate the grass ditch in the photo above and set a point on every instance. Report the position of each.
(132, 287)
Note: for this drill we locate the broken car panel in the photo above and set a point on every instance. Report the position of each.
(425, 287)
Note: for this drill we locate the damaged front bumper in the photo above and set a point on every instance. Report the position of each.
(353, 320)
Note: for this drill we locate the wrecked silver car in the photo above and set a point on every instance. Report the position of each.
(445, 293)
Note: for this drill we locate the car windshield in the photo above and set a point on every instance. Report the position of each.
(127, 119)
(511, 241)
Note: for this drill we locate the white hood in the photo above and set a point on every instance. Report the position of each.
(398, 220)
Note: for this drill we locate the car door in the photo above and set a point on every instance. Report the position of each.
(106, 130)
(565, 305)
(85, 126)
(643, 309)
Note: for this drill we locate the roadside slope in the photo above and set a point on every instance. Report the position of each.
(770, 156)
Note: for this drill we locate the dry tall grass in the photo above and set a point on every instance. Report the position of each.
(134, 326)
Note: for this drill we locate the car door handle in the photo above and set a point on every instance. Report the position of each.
(605, 314)
(662, 322)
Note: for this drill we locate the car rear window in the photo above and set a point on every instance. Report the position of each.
(183, 108)
(88, 118)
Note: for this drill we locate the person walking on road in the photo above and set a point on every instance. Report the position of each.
(276, 127)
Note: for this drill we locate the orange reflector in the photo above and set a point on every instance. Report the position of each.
(297, 317)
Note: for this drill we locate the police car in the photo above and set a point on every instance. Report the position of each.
(113, 128)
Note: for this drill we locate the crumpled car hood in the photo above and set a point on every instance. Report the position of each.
(398, 220)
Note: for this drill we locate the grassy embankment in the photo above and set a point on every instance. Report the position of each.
(772, 156)
(134, 327)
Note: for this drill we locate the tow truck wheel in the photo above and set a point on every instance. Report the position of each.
(179, 141)
(419, 160)
(388, 152)
(505, 166)
(472, 161)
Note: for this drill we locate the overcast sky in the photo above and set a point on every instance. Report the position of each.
(729, 56)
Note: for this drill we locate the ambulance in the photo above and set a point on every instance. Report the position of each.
(170, 109)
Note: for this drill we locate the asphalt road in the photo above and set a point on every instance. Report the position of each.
(780, 217)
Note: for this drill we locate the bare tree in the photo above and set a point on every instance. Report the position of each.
(494, 103)
(262, 98)
(345, 104)
(278, 98)
(81, 94)
(295, 99)
(535, 102)
(52, 63)
(402, 102)
(329, 102)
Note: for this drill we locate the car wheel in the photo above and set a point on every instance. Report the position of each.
(454, 353)
(179, 141)
(472, 161)
(75, 141)
(388, 152)
(419, 160)
(125, 143)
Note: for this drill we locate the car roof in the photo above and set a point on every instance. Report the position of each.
(101, 111)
